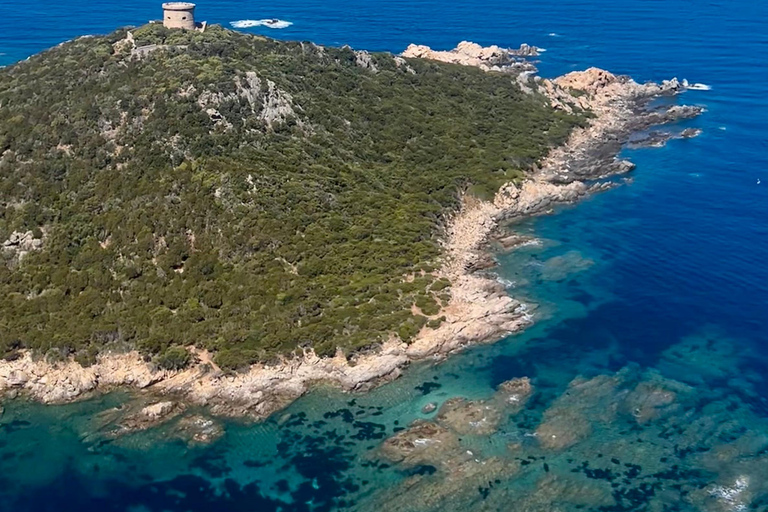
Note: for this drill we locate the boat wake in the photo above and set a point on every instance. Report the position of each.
(696, 86)
(270, 23)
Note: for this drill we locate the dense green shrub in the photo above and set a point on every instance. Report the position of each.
(427, 304)
(435, 323)
(174, 358)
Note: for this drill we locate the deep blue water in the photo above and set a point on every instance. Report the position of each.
(667, 275)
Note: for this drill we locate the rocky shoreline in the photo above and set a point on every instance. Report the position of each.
(489, 58)
(480, 310)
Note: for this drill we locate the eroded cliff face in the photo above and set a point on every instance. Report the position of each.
(479, 310)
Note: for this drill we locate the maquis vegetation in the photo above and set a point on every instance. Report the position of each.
(240, 194)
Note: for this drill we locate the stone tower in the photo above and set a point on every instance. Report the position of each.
(179, 15)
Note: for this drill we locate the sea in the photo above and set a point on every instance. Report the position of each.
(649, 351)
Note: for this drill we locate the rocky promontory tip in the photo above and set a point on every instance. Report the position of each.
(466, 53)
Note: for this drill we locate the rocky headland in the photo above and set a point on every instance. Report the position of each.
(488, 58)
(479, 310)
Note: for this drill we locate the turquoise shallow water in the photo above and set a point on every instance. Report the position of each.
(654, 289)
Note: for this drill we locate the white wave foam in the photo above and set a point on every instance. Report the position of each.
(533, 242)
(553, 34)
(732, 496)
(270, 23)
(505, 282)
(525, 313)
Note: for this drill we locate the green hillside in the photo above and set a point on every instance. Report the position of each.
(241, 194)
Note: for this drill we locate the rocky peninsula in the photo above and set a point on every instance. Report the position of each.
(479, 309)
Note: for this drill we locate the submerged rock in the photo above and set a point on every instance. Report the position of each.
(429, 408)
(514, 394)
(604, 399)
(560, 267)
(466, 487)
(569, 419)
(469, 417)
(482, 417)
(624, 441)
(733, 496)
(704, 356)
(438, 444)
(424, 442)
(149, 416)
(563, 430)
(648, 401)
(198, 429)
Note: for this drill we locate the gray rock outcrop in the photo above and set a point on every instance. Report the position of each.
(466, 53)
(19, 244)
